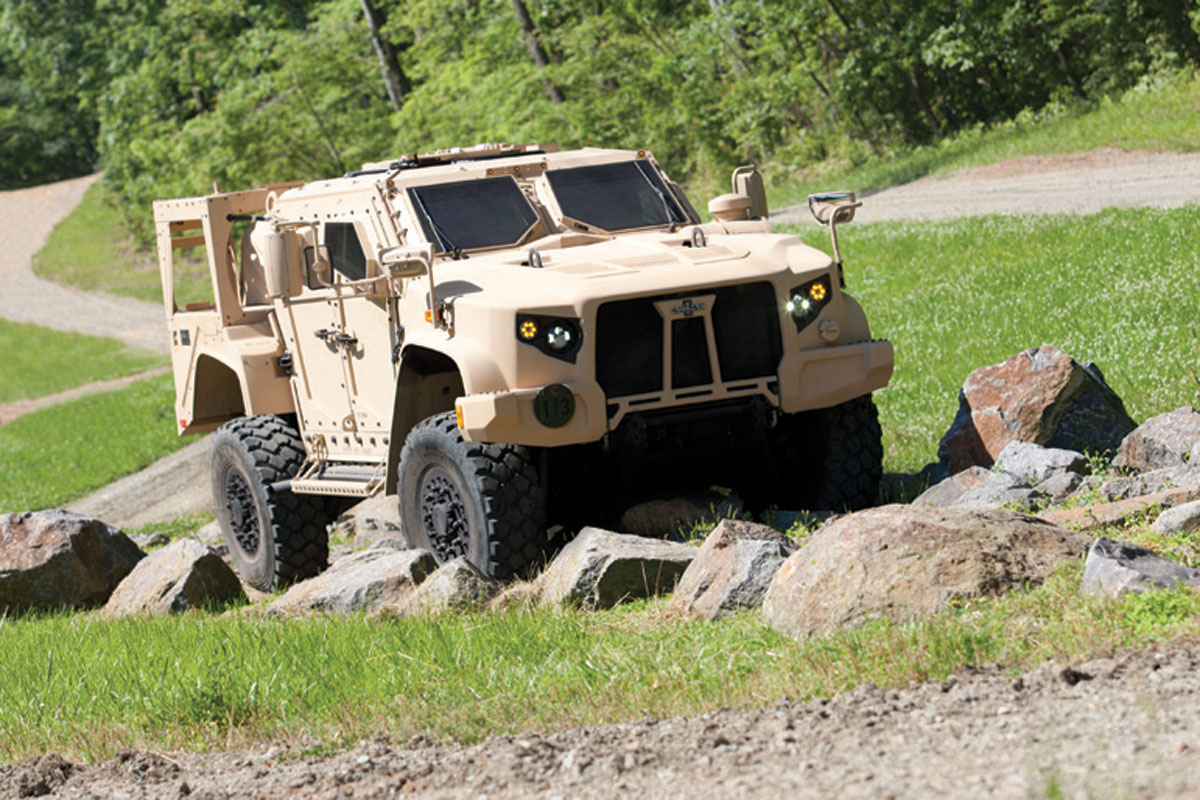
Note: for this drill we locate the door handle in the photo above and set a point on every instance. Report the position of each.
(323, 334)
(346, 339)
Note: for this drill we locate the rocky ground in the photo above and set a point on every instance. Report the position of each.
(1127, 726)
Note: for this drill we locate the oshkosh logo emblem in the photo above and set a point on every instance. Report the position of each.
(688, 307)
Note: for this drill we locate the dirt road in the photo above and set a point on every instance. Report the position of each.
(1126, 727)
(1074, 183)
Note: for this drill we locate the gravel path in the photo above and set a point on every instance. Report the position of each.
(1126, 727)
(26, 218)
(1074, 183)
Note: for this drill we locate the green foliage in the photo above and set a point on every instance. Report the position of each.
(38, 361)
(1118, 288)
(91, 249)
(182, 526)
(174, 94)
(62, 452)
(1152, 612)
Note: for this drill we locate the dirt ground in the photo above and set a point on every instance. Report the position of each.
(1124, 727)
(1073, 183)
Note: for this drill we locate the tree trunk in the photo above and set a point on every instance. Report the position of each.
(389, 65)
(535, 49)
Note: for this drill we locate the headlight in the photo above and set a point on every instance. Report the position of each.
(560, 337)
(806, 301)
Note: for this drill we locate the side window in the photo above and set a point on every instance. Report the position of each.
(345, 251)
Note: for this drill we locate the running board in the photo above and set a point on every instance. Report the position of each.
(343, 481)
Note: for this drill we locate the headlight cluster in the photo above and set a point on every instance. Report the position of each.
(560, 337)
(806, 301)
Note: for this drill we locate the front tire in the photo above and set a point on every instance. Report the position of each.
(480, 500)
(274, 538)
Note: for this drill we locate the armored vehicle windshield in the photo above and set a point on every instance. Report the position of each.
(472, 215)
(615, 197)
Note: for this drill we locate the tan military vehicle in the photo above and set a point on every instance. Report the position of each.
(507, 337)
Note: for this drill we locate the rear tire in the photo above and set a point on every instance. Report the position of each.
(274, 538)
(480, 500)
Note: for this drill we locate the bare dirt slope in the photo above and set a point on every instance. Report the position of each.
(26, 218)
(179, 484)
(1073, 183)
(1125, 727)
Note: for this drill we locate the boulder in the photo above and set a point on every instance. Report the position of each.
(454, 586)
(1061, 484)
(952, 488)
(905, 562)
(1119, 487)
(600, 569)
(660, 516)
(1162, 441)
(210, 534)
(1042, 396)
(1194, 454)
(1001, 489)
(383, 574)
(55, 559)
(371, 520)
(1117, 568)
(181, 576)
(1035, 463)
(1104, 515)
(1183, 518)
(732, 570)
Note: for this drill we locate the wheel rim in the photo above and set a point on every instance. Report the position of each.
(243, 516)
(444, 514)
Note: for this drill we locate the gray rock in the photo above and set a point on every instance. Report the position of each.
(1117, 568)
(731, 571)
(181, 576)
(55, 559)
(951, 489)
(1061, 484)
(906, 562)
(373, 519)
(380, 575)
(454, 586)
(1034, 463)
(1194, 454)
(150, 541)
(210, 534)
(1001, 489)
(1120, 487)
(1180, 519)
(1161, 441)
(660, 516)
(600, 569)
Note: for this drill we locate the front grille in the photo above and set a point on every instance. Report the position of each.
(630, 333)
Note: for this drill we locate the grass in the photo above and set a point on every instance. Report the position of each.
(92, 250)
(57, 454)
(87, 687)
(38, 361)
(1161, 114)
(1121, 288)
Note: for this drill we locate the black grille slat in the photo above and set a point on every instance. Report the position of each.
(629, 341)
(689, 354)
(746, 327)
(629, 348)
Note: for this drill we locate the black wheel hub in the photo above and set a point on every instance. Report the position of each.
(243, 516)
(444, 515)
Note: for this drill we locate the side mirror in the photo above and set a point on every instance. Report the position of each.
(835, 207)
(406, 262)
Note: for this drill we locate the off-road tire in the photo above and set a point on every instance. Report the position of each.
(829, 459)
(852, 463)
(480, 500)
(274, 538)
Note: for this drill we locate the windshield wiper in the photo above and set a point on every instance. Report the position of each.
(444, 240)
(666, 205)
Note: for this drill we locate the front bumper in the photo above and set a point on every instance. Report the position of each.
(806, 380)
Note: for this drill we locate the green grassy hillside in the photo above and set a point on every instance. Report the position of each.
(1121, 288)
